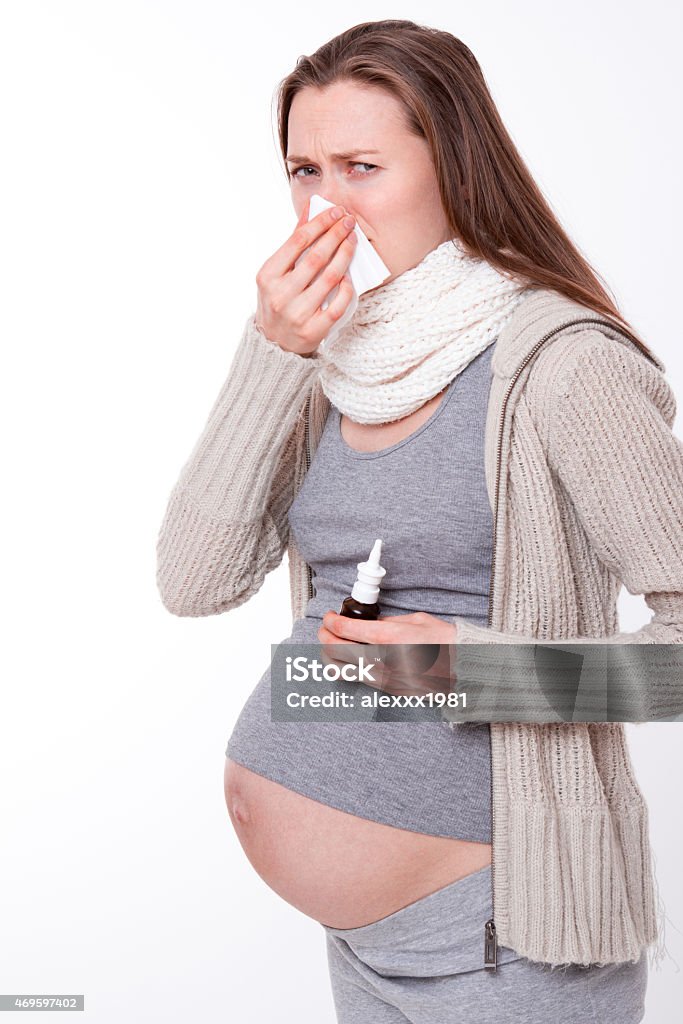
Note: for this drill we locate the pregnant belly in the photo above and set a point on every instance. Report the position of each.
(341, 870)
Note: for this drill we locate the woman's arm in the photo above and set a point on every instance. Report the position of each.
(610, 443)
(225, 525)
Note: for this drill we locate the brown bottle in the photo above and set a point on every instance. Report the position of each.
(362, 604)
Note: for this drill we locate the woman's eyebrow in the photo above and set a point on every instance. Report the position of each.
(335, 156)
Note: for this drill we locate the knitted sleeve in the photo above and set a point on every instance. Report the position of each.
(225, 525)
(611, 445)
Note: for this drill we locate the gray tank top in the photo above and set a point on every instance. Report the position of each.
(426, 497)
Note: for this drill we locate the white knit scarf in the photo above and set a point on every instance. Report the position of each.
(410, 337)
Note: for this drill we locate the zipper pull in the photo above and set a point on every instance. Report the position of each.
(490, 945)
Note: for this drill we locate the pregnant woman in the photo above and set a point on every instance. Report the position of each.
(453, 869)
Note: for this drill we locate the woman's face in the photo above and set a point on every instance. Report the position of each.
(349, 143)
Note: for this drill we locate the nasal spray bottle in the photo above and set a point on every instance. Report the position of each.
(363, 604)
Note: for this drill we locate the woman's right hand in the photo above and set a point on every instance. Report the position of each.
(288, 310)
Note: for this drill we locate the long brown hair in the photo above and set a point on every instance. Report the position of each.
(489, 197)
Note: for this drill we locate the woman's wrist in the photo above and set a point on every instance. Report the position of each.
(304, 355)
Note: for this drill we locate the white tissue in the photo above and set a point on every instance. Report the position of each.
(366, 269)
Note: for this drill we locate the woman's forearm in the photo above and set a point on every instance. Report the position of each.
(225, 525)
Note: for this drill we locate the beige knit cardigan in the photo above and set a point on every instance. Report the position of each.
(585, 480)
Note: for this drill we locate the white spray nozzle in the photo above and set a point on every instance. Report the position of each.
(366, 587)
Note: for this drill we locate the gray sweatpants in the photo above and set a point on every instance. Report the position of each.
(425, 964)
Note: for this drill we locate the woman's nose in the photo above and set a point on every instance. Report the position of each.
(338, 199)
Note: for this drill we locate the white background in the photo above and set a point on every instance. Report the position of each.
(141, 191)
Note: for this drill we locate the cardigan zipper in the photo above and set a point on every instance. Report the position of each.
(309, 574)
(490, 935)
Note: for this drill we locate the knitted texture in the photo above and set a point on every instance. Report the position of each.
(409, 338)
(594, 487)
(584, 478)
(224, 528)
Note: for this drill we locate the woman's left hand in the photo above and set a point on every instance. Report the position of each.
(415, 629)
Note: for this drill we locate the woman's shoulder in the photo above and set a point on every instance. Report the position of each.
(591, 385)
(578, 354)
(593, 362)
(552, 328)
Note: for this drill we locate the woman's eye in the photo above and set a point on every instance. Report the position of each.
(364, 174)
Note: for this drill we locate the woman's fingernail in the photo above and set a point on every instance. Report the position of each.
(338, 212)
